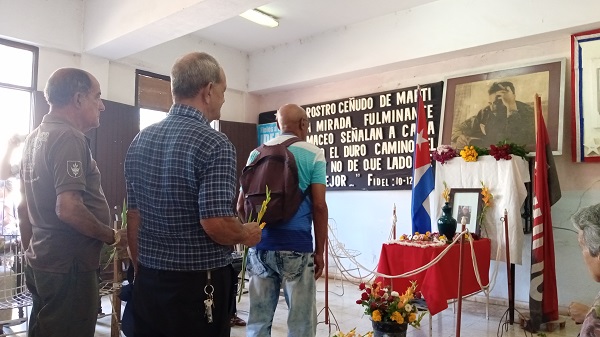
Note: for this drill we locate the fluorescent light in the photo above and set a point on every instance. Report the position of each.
(261, 18)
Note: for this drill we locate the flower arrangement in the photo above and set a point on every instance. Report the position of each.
(470, 153)
(421, 240)
(261, 213)
(503, 150)
(444, 153)
(352, 333)
(487, 198)
(428, 236)
(384, 305)
(113, 252)
(446, 193)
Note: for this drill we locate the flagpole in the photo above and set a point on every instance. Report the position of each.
(511, 300)
(463, 223)
(394, 220)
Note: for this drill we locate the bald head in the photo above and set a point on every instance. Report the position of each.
(291, 118)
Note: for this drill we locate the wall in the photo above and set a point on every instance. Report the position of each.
(366, 224)
(117, 79)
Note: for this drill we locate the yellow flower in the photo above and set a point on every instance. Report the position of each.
(403, 301)
(397, 317)
(376, 316)
(446, 193)
(468, 153)
(412, 317)
(486, 195)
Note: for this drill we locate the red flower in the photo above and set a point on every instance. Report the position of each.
(501, 151)
(364, 296)
(359, 301)
(444, 153)
(362, 286)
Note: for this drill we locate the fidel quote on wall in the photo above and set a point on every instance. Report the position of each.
(368, 141)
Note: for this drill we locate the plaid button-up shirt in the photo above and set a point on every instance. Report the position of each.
(179, 171)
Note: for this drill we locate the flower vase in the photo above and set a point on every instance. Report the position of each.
(389, 329)
(446, 223)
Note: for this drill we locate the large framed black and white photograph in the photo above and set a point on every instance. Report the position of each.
(585, 96)
(467, 203)
(485, 108)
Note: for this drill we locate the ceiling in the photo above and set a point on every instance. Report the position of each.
(313, 42)
(299, 19)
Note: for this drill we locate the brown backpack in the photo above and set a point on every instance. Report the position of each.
(275, 167)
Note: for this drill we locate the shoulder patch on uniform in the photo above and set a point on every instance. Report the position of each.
(74, 168)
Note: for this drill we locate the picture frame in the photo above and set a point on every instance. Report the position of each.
(585, 96)
(467, 202)
(468, 106)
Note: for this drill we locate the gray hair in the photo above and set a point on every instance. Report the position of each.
(193, 72)
(64, 83)
(587, 220)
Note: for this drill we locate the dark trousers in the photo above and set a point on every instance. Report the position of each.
(64, 305)
(237, 268)
(171, 303)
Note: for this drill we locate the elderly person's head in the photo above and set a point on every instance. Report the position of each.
(587, 223)
(198, 80)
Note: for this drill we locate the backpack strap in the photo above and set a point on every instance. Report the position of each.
(306, 193)
(291, 141)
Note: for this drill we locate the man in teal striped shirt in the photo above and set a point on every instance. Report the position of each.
(286, 257)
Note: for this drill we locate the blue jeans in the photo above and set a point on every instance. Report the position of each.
(272, 270)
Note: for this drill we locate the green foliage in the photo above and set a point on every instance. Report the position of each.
(481, 151)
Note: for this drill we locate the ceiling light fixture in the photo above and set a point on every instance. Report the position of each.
(260, 17)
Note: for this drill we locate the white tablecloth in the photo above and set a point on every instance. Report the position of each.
(506, 181)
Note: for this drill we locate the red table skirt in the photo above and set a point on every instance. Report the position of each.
(439, 283)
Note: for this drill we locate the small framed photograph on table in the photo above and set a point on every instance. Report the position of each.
(467, 203)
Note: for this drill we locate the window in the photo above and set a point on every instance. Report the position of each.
(149, 117)
(153, 96)
(18, 77)
(18, 82)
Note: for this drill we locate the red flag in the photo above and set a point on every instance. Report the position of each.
(543, 299)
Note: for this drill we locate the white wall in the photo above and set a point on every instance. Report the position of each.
(432, 32)
(117, 79)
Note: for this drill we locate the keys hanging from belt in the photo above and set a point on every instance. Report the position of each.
(208, 302)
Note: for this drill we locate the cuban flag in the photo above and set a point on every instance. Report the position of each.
(423, 182)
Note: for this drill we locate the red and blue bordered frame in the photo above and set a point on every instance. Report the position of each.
(585, 147)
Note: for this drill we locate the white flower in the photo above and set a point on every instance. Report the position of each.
(395, 294)
(408, 307)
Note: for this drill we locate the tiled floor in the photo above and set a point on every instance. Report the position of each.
(346, 314)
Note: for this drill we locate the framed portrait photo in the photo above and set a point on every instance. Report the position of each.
(466, 203)
(585, 96)
(486, 108)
